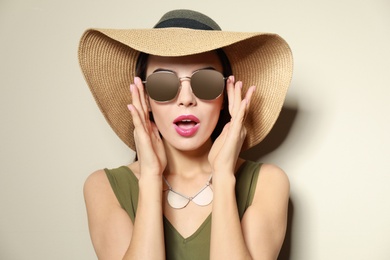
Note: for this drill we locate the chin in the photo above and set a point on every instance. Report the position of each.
(191, 144)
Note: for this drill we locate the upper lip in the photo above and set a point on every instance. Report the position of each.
(186, 118)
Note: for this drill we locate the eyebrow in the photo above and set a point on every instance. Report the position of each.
(167, 70)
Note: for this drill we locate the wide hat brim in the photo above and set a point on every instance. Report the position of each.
(108, 57)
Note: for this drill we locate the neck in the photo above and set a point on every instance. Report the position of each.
(188, 164)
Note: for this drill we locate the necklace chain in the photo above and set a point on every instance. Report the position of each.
(178, 200)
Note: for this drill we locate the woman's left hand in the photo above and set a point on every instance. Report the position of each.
(226, 148)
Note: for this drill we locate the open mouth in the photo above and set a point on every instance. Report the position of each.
(186, 125)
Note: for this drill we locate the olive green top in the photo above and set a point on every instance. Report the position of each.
(197, 246)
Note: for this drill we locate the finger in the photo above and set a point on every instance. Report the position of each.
(237, 132)
(155, 130)
(143, 96)
(248, 97)
(245, 104)
(137, 122)
(240, 115)
(237, 98)
(249, 94)
(140, 132)
(230, 93)
(224, 132)
(136, 102)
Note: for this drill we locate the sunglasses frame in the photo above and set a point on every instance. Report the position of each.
(180, 80)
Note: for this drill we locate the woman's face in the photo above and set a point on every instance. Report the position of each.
(185, 122)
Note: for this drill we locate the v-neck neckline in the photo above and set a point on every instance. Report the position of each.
(193, 235)
(171, 226)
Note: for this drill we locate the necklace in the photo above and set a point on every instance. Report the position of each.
(178, 201)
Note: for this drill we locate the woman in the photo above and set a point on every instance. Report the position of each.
(188, 195)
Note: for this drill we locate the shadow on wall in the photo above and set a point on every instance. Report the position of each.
(272, 141)
(276, 136)
(285, 252)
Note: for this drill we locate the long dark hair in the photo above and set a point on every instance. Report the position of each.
(224, 116)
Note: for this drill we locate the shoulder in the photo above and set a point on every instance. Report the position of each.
(265, 175)
(274, 178)
(95, 181)
(272, 193)
(100, 179)
(97, 188)
(104, 183)
(273, 187)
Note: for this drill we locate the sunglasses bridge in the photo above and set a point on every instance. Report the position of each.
(185, 78)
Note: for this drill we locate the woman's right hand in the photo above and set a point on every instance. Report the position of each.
(149, 146)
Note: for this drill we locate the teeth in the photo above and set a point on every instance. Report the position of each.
(186, 121)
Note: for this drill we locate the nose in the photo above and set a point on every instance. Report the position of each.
(186, 97)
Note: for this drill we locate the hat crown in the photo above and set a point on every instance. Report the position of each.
(190, 19)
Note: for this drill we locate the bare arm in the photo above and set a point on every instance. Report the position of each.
(113, 234)
(261, 233)
(227, 240)
(265, 221)
(148, 231)
(109, 225)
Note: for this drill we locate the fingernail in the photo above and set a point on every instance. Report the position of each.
(131, 88)
(130, 107)
(137, 80)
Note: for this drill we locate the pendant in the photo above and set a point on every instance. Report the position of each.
(178, 201)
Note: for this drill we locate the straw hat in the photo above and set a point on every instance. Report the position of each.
(108, 57)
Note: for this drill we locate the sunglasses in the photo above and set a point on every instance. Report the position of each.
(164, 86)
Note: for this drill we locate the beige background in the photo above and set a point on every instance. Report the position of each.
(332, 138)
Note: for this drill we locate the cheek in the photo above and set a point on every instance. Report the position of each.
(220, 103)
(162, 116)
(213, 111)
(156, 112)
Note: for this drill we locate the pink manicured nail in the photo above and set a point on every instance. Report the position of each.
(137, 80)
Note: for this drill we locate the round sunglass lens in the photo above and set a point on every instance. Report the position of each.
(207, 84)
(162, 86)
